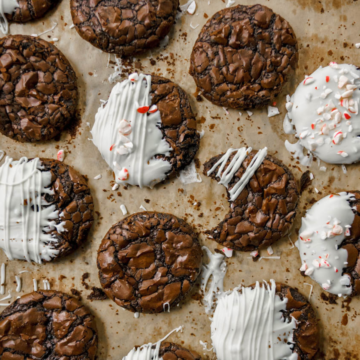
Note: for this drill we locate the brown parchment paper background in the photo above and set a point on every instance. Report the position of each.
(326, 30)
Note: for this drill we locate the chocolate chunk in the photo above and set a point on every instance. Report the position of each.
(149, 262)
(263, 212)
(39, 93)
(171, 351)
(97, 294)
(305, 181)
(47, 325)
(124, 27)
(242, 56)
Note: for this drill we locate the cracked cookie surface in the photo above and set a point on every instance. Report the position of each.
(149, 262)
(31, 10)
(47, 325)
(38, 90)
(263, 212)
(123, 27)
(172, 351)
(243, 56)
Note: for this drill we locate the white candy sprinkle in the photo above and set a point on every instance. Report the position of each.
(18, 283)
(191, 8)
(35, 285)
(72, 26)
(311, 290)
(357, 45)
(115, 187)
(272, 111)
(46, 284)
(97, 177)
(2, 154)
(270, 250)
(316, 190)
(343, 167)
(322, 168)
(136, 315)
(249, 112)
(142, 208)
(123, 209)
(311, 176)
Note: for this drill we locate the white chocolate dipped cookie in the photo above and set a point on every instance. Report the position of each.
(325, 113)
(146, 131)
(45, 209)
(264, 321)
(329, 241)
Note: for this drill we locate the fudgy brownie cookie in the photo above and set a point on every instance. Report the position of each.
(38, 91)
(47, 325)
(263, 208)
(243, 56)
(29, 10)
(329, 243)
(282, 324)
(146, 141)
(57, 213)
(123, 27)
(149, 262)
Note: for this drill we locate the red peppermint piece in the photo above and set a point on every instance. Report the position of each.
(313, 126)
(327, 78)
(112, 147)
(347, 116)
(330, 198)
(143, 109)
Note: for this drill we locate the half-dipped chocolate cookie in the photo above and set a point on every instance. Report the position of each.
(146, 131)
(324, 114)
(46, 209)
(38, 91)
(149, 262)
(264, 321)
(329, 243)
(165, 351)
(243, 56)
(123, 27)
(263, 196)
(22, 11)
(47, 325)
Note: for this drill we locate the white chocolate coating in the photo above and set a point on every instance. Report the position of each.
(127, 139)
(6, 7)
(231, 170)
(325, 112)
(250, 325)
(22, 228)
(147, 352)
(322, 231)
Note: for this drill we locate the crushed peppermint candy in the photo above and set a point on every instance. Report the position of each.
(60, 155)
(115, 187)
(123, 209)
(98, 177)
(227, 251)
(272, 111)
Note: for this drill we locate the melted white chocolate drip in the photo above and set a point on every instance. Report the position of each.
(6, 7)
(230, 171)
(25, 216)
(249, 325)
(129, 140)
(322, 231)
(148, 351)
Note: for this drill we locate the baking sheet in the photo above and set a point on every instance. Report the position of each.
(326, 30)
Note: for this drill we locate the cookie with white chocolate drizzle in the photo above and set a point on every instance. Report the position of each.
(325, 113)
(263, 196)
(46, 209)
(329, 243)
(146, 131)
(264, 321)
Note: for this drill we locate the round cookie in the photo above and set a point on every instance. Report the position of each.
(53, 224)
(263, 209)
(242, 57)
(146, 132)
(329, 243)
(166, 351)
(325, 113)
(47, 325)
(22, 11)
(149, 262)
(38, 91)
(123, 27)
(264, 321)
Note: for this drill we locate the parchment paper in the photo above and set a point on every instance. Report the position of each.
(326, 30)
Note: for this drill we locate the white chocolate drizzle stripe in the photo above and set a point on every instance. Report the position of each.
(233, 167)
(6, 7)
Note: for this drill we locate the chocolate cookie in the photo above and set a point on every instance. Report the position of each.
(56, 215)
(166, 351)
(329, 243)
(47, 325)
(38, 91)
(281, 325)
(149, 262)
(242, 56)
(263, 195)
(144, 142)
(23, 11)
(124, 27)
